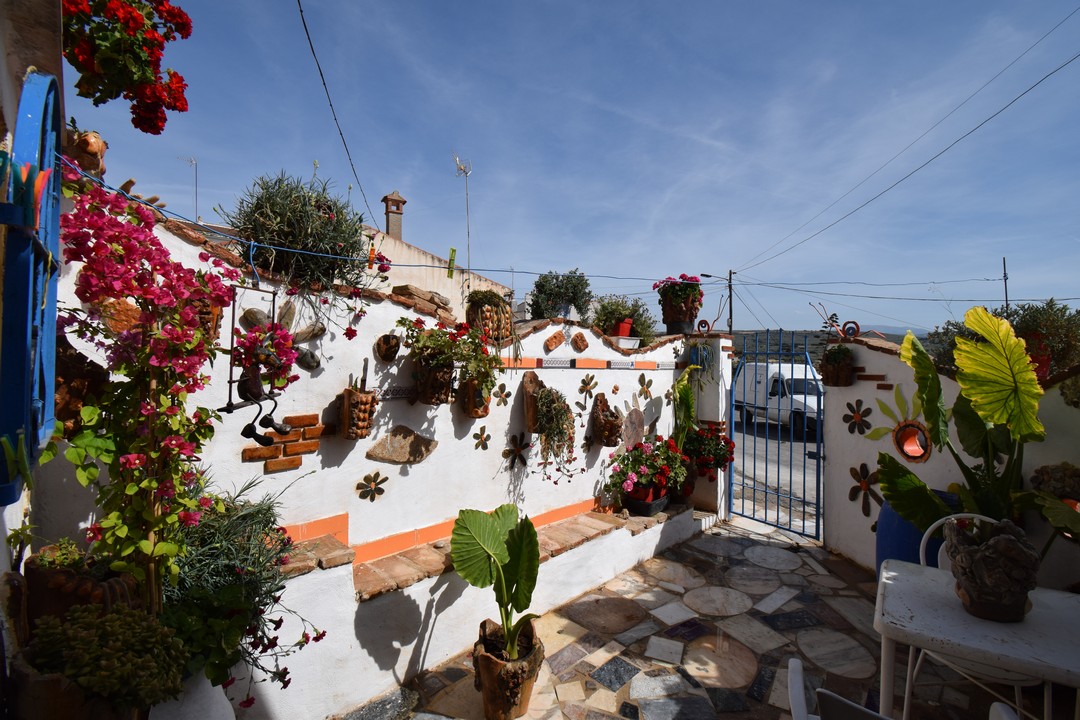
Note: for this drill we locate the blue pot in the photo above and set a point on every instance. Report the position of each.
(899, 539)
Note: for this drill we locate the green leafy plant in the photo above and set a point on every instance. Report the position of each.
(502, 551)
(610, 310)
(555, 426)
(226, 604)
(65, 554)
(838, 354)
(682, 397)
(995, 413)
(683, 292)
(553, 290)
(124, 655)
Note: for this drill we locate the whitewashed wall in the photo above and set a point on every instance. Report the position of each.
(848, 532)
(375, 645)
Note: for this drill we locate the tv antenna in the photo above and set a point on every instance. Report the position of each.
(194, 163)
(464, 168)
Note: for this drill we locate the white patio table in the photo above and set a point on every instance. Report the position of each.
(917, 605)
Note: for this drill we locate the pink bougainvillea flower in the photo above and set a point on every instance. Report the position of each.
(93, 533)
(132, 460)
(247, 702)
(189, 518)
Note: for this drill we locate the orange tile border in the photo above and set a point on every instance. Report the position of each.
(644, 365)
(400, 542)
(590, 364)
(335, 525)
(524, 362)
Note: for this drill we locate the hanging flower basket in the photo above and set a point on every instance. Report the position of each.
(680, 301)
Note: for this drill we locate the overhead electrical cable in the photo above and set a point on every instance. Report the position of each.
(948, 147)
(333, 112)
(913, 142)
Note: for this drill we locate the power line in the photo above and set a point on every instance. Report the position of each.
(333, 112)
(948, 147)
(924, 134)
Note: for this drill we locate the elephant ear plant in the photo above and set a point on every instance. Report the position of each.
(500, 550)
(995, 413)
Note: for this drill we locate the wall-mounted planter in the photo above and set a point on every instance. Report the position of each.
(473, 401)
(357, 412)
(530, 388)
(627, 343)
(842, 375)
(606, 423)
(434, 383)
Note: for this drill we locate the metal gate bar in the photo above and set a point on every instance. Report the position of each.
(776, 424)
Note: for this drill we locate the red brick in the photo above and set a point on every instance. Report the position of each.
(428, 559)
(328, 551)
(398, 570)
(289, 463)
(301, 448)
(258, 452)
(288, 437)
(319, 431)
(369, 582)
(302, 421)
(556, 339)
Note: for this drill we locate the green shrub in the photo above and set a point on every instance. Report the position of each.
(553, 290)
(613, 309)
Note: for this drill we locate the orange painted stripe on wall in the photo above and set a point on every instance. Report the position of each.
(590, 364)
(336, 525)
(412, 538)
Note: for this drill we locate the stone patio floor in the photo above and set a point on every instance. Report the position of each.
(705, 630)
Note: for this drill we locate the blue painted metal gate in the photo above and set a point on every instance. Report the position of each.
(30, 207)
(776, 423)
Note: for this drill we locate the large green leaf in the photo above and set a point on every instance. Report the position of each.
(908, 495)
(477, 544)
(521, 570)
(997, 376)
(928, 391)
(1064, 519)
(971, 430)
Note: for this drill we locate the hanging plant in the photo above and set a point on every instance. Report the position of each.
(555, 428)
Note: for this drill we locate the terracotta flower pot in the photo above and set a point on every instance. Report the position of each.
(646, 500)
(622, 328)
(679, 317)
(506, 685)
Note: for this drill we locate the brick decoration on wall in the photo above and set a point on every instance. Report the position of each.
(287, 452)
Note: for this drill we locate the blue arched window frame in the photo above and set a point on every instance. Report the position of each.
(31, 267)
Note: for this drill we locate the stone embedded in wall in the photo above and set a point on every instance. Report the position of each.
(578, 342)
(314, 331)
(557, 339)
(307, 359)
(387, 347)
(633, 429)
(402, 445)
(253, 317)
(120, 315)
(426, 296)
(286, 314)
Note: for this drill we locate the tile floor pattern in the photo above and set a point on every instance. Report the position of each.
(705, 630)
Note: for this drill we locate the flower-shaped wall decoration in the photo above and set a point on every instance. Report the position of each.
(588, 384)
(501, 394)
(370, 488)
(864, 487)
(856, 416)
(645, 389)
(481, 437)
(515, 451)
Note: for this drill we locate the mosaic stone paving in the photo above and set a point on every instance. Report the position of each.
(705, 631)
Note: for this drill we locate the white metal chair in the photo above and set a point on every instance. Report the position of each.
(830, 705)
(977, 673)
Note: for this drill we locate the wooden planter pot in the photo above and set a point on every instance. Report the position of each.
(357, 412)
(474, 402)
(496, 322)
(606, 423)
(679, 317)
(842, 375)
(434, 383)
(506, 685)
(35, 695)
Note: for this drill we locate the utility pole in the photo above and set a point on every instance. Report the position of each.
(730, 302)
(464, 168)
(1005, 279)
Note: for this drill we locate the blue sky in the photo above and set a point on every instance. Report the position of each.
(645, 139)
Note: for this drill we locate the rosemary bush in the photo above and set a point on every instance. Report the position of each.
(226, 605)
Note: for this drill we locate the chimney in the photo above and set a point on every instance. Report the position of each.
(394, 202)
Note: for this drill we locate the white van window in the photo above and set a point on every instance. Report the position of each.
(804, 386)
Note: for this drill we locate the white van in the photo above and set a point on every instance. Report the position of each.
(782, 393)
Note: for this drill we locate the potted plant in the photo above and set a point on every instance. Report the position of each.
(612, 313)
(709, 450)
(226, 605)
(97, 664)
(553, 295)
(555, 427)
(644, 477)
(680, 301)
(837, 365)
(501, 551)
(995, 413)
(436, 350)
